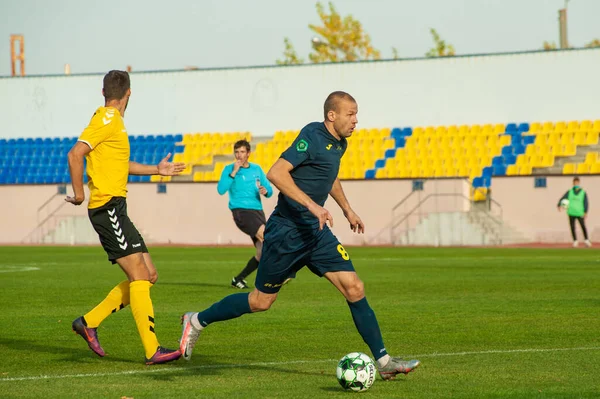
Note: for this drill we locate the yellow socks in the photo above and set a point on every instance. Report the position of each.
(116, 300)
(143, 313)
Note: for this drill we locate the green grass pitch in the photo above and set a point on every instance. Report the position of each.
(486, 323)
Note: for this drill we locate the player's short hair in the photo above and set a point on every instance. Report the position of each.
(116, 83)
(576, 179)
(332, 101)
(241, 143)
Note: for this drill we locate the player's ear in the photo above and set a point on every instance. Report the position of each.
(331, 116)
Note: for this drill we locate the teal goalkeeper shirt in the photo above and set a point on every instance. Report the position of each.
(243, 189)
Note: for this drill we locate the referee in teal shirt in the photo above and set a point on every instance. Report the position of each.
(246, 182)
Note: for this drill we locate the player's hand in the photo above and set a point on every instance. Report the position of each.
(559, 208)
(237, 165)
(356, 225)
(585, 216)
(166, 168)
(262, 190)
(322, 214)
(77, 200)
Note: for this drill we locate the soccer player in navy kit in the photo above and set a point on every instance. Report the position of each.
(246, 182)
(297, 234)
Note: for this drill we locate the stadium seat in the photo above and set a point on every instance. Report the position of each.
(568, 169)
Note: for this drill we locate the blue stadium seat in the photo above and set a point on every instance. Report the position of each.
(487, 172)
(511, 127)
(179, 149)
(3, 142)
(396, 132)
(407, 131)
(160, 138)
(508, 150)
(523, 127)
(528, 140)
(370, 174)
(487, 181)
(478, 182)
(510, 159)
(518, 149)
(499, 170)
(12, 142)
(380, 163)
(498, 161)
(145, 179)
(391, 153)
(178, 138)
(30, 141)
(400, 142)
(150, 138)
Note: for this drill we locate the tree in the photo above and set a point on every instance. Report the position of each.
(593, 43)
(440, 49)
(289, 54)
(395, 54)
(338, 39)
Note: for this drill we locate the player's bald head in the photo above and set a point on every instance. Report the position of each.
(333, 101)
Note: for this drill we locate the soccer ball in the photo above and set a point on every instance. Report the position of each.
(564, 203)
(356, 371)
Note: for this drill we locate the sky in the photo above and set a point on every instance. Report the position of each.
(95, 36)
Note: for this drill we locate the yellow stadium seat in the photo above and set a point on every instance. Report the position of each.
(525, 170)
(381, 173)
(534, 160)
(198, 176)
(548, 127)
(585, 125)
(569, 150)
(568, 169)
(479, 194)
(463, 130)
(566, 138)
(475, 130)
(579, 138)
(541, 138)
(279, 136)
(512, 170)
(505, 140)
(188, 138)
(595, 168)
(535, 127)
(592, 137)
(583, 169)
(560, 127)
(573, 126)
(591, 158)
(531, 149)
(499, 128)
(553, 138)
(178, 157)
(547, 160)
(523, 159)
(452, 130)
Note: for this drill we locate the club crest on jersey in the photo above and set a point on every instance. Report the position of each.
(329, 146)
(301, 146)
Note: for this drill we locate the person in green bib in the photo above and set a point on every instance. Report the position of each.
(576, 202)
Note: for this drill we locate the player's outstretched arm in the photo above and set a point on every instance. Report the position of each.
(280, 176)
(164, 168)
(75, 159)
(337, 192)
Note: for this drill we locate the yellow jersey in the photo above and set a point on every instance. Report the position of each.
(108, 162)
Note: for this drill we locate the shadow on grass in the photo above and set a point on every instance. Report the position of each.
(70, 355)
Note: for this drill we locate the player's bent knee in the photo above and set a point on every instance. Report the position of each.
(356, 291)
(260, 302)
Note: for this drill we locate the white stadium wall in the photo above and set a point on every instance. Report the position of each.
(561, 85)
(541, 86)
(194, 213)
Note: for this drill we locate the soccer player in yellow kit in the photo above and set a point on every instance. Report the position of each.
(105, 146)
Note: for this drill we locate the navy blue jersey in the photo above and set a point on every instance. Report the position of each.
(315, 156)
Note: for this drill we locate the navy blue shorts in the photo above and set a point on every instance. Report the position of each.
(287, 249)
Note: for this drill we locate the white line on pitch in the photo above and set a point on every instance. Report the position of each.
(224, 366)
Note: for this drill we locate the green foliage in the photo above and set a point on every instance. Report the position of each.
(440, 49)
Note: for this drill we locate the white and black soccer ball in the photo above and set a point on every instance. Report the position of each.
(356, 371)
(564, 203)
